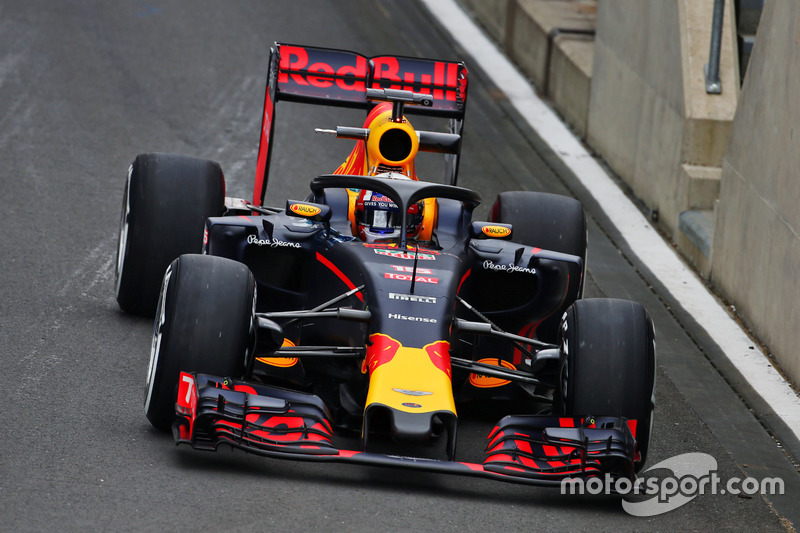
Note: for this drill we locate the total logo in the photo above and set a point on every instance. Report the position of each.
(409, 277)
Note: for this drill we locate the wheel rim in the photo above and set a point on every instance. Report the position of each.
(122, 241)
(651, 414)
(249, 353)
(155, 348)
(565, 367)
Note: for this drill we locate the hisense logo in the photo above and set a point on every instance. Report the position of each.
(397, 316)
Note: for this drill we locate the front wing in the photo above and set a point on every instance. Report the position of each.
(275, 422)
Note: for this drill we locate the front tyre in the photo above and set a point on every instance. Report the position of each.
(608, 364)
(204, 323)
(166, 202)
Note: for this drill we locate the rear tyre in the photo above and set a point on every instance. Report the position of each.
(165, 205)
(608, 360)
(549, 221)
(205, 323)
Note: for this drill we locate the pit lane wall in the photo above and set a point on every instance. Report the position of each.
(717, 173)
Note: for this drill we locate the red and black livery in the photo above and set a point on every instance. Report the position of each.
(283, 332)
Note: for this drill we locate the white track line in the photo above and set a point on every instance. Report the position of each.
(642, 238)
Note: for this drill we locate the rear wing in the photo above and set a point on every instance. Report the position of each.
(341, 78)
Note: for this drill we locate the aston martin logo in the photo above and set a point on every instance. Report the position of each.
(413, 392)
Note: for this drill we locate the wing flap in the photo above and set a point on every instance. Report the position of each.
(329, 76)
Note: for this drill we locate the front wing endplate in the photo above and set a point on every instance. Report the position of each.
(276, 422)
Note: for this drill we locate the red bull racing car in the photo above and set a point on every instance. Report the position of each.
(376, 310)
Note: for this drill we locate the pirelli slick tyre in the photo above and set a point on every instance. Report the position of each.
(164, 208)
(608, 359)
(205, 323)
(549, 221)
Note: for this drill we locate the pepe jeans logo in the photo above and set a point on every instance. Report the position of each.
(272, 243)
(510, 267)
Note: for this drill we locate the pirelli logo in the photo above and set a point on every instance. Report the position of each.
(412, 298)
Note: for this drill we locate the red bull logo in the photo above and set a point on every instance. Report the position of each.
(321, 68)
(350, 77)
(397, 372)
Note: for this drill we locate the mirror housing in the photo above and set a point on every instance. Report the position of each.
(269, 337)
(309, 211)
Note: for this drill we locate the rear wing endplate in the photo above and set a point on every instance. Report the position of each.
(341, 78)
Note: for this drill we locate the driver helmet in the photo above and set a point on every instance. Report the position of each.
(378, 217)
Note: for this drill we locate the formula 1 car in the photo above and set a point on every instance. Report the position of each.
(376, 308)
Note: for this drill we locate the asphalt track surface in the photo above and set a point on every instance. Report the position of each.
(84, 87)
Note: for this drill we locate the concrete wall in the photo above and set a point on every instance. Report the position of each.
(649, 114)
(552, 42)
(756, 257)
(721, 170)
